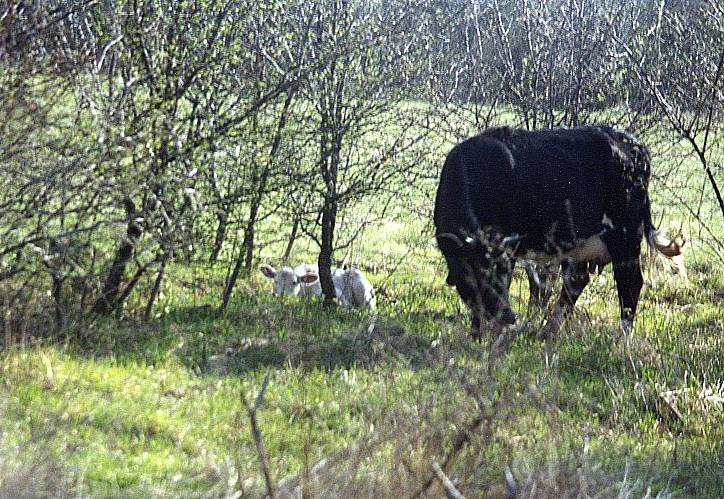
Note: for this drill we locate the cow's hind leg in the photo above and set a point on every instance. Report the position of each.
(575, 279)
(629, 281)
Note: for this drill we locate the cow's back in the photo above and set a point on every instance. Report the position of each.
(564, 181)
(548, 184)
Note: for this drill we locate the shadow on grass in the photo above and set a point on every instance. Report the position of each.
(263, 331)
(371, 344)
(698, 468)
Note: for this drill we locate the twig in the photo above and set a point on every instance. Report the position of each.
(459, 442)
(271, 489)
(449, 487)
(291, 487)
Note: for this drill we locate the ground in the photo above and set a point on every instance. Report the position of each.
(157, 408)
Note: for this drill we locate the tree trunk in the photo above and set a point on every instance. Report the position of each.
(329, 218)
(106, 302)
(57, 293)
(132, 283)
(222, 217)
(232, 281)
(292, 239)
(156, 287)
(330, 167)
(245, 254)
(247, 246)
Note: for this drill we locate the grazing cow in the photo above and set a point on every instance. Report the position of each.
(350, 286)
(572, 199)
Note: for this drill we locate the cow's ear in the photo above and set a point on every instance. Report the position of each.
(308, 278)
(268, 271)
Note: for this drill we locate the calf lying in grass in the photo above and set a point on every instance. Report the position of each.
(302, 280)
(351, 287)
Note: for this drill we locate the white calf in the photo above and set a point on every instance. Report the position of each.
(353, 289)
(350, 286)
(302, 280)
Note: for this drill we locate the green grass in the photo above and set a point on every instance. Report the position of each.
(156, 408)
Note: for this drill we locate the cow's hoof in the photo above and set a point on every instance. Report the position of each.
(507, 317)
(626, 325)
(505, 336)
(477, 334)
(550, 329)
(501, 344)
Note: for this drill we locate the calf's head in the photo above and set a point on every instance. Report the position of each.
(286, 281)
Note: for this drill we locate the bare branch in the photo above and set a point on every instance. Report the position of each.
(450, 491)
(271, 488)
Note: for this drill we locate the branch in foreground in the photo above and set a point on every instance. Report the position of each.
(271, 489)
(450, 491)
(459, 442)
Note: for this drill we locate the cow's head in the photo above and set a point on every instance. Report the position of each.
(480, 268)
(286, 281)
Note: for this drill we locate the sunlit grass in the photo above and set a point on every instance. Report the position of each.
(157, 407)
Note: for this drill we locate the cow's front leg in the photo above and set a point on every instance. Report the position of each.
(628, 283)
(575, 279)
(475, 329)
(540, 285)
(482, 325)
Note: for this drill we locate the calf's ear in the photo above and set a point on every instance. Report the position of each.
(268, 271)
(308, 278)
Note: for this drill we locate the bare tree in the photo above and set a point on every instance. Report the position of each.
(164, 107)
(678, 61)
(141, 134)
(554, 62)
(365, 55)
(49, 198)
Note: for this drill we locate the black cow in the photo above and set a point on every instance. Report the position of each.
(574, 198)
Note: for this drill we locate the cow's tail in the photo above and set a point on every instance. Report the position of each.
(670, 250)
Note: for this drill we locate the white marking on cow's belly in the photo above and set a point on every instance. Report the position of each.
(592, 249)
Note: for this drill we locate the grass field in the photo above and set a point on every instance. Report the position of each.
(363, 405)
